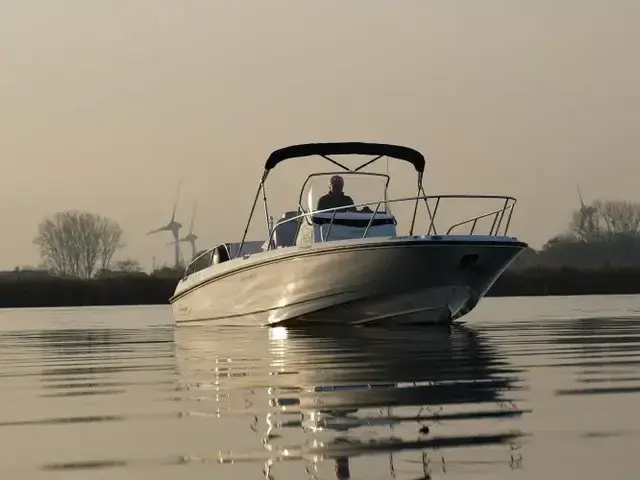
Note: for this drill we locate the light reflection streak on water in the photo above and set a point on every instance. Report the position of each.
(327, 385)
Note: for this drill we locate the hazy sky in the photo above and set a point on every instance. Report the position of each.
(105, 104)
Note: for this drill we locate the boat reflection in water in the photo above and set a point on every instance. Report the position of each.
(361, 400)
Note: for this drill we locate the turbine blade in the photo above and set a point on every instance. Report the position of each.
(193, 215)
(157, 230)
(175, 205)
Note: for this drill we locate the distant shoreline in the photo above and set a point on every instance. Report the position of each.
(142, 289)
(545, 281)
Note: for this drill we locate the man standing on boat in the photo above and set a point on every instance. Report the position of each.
(336, 197)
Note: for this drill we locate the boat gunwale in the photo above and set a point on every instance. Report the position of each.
(290, 253)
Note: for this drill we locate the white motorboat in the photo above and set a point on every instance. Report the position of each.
(350, 263)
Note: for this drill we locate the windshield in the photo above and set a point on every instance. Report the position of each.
(344, 189)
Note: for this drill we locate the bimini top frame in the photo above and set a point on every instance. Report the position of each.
(347, 148)
(324, 150)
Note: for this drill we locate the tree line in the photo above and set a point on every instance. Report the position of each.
(602, 235)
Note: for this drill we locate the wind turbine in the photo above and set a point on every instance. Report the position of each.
(191, 237)
(174, 227)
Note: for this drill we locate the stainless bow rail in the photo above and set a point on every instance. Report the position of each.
(499, 226)
(498, 214)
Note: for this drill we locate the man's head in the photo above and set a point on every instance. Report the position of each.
(336, 184)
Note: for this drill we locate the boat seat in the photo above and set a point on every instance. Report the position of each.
(350, 225)
(353, 219)
(284, 234)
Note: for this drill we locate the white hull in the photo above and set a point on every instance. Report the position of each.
(379, 280)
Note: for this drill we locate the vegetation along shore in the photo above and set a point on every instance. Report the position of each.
(598, 254)
(143, 289)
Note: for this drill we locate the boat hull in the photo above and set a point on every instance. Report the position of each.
(393, 281)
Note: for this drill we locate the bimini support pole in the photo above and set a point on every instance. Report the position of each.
(415, 207)
(432, 216)
(253, 207)
(266, 214)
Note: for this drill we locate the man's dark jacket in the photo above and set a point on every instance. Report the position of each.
(331, 200)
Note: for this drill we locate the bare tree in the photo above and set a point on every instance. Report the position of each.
(603, 234)
(620, 218)
(110, 241)
(606, 220)
(73, 242)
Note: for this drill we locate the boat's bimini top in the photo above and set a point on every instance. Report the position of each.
(347, 148)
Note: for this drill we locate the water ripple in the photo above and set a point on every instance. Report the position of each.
(116, 392)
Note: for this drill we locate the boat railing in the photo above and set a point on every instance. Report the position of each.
(500, 225)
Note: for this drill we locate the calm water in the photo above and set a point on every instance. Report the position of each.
(527, 388)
